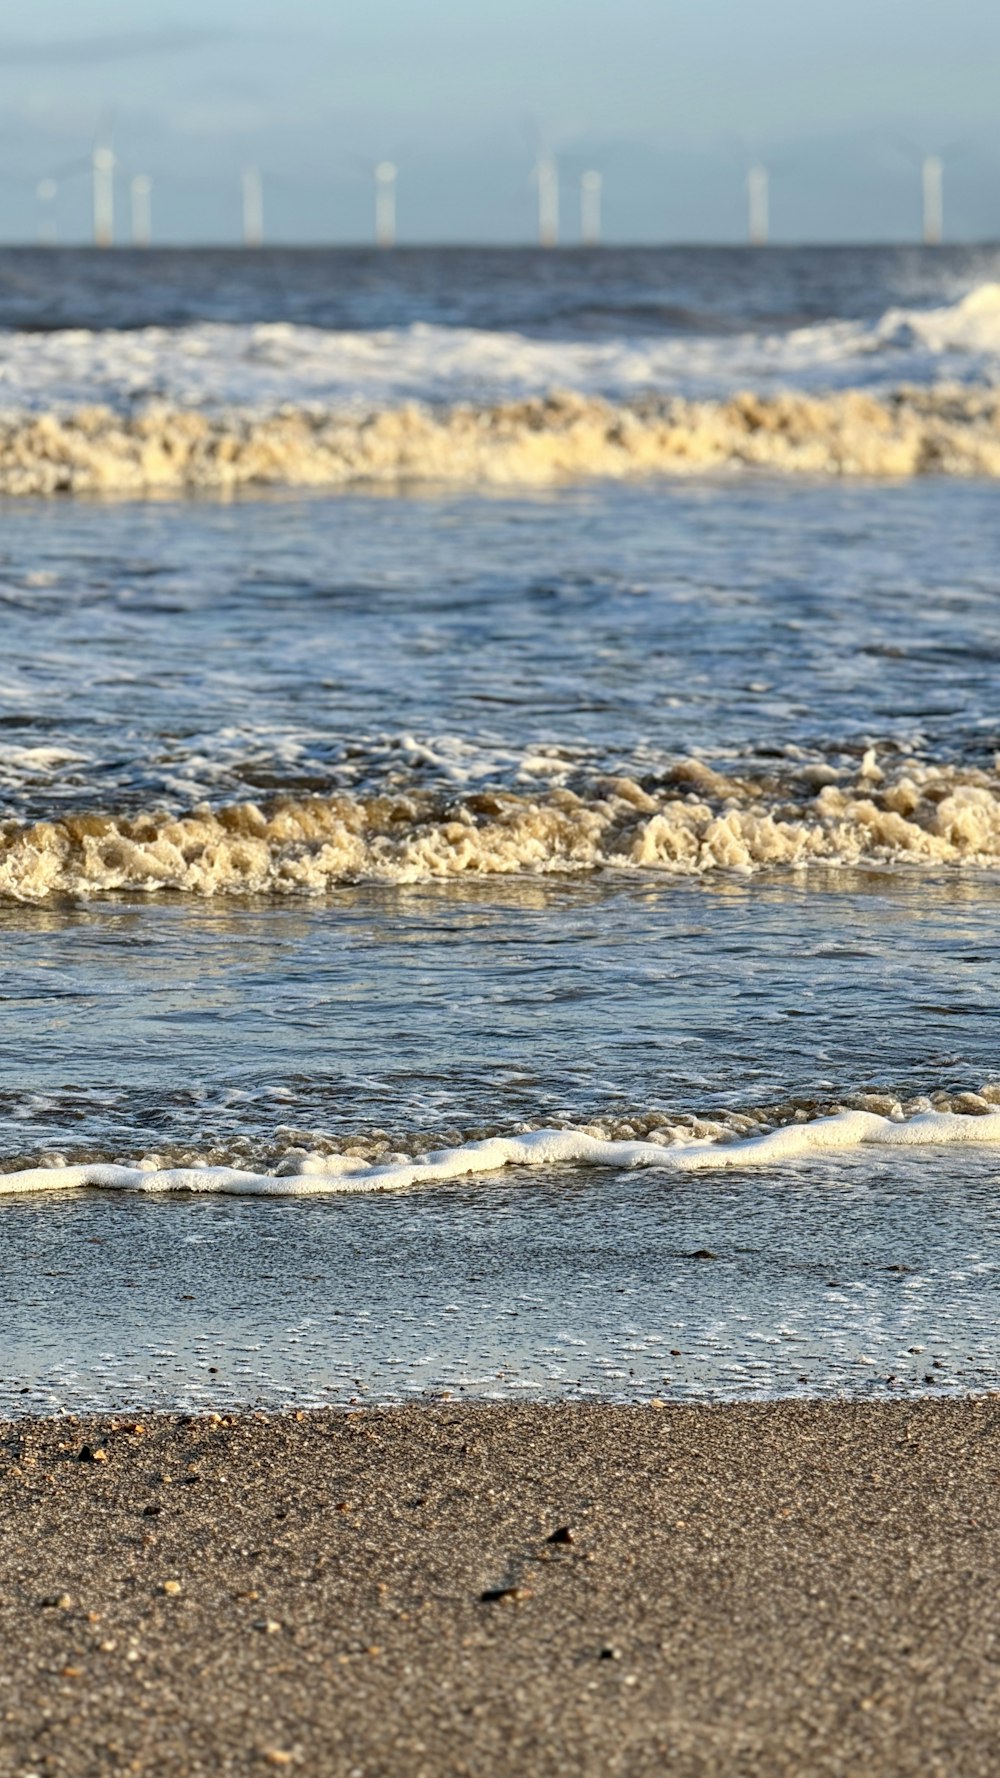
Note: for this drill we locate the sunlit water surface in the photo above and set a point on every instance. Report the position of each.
(155, 654)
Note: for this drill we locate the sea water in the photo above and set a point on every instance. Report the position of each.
(410, 892)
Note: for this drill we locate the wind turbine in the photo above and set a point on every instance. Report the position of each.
(102, 162)
(253, 208)
(386, 174)
(546, 176)
(46, 191)
(140, 192)
(591, 186)
(932, 189)
(758, 205)
(757, 176)
(931, 168)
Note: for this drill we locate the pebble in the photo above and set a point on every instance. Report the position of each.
(171, 1588)
(562, 1534)
(88, 1454)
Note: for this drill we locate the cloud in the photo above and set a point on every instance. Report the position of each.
(113, 47)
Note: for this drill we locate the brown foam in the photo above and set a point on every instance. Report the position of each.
(690, 822)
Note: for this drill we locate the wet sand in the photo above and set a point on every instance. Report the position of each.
(785, 1588)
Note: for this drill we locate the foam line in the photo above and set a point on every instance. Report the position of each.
(330, 1175)
(339, 1174)
(847, 1129)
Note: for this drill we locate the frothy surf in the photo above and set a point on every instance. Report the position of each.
(537, 442)
(266, 366)
(690, 820)
(670, 1150)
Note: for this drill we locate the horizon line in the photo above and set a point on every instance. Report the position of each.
(513, 246)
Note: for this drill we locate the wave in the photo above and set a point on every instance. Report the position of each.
(971, 325)
(538, 442)
(221, 406)
(651, 1141)
(263, 367)
(690, 821)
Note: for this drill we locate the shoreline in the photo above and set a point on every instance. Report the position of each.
(797, 1587)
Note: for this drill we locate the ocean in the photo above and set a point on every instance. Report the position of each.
(500, 825)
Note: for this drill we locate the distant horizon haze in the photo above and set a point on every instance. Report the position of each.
(671, 102)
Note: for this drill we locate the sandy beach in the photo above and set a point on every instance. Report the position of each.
(781, 1588)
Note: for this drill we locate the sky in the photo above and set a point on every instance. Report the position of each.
(670, 100)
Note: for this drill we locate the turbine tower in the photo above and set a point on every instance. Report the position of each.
(385, 204)
(547, 178)
(590, 208)
(140, 192)
(932, 178)
(102, 166)
(253, 208)
(45, 191)
(758, 206)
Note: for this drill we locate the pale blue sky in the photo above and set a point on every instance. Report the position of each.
(670, 99)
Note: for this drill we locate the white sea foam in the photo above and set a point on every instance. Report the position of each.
(275, 365)
(848, 1129)
(969, 326)
(331, 1175)
(210, 762)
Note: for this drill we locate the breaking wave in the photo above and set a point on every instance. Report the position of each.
(263, 366)
(689, 820)
(219, 406)
(768, 1137)
(540, 441)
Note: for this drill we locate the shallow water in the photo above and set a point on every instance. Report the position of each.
(833, 1280)
(743, 733)
(132, 1027)
(163, 653)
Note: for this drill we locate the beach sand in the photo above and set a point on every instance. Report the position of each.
(782, 1588)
